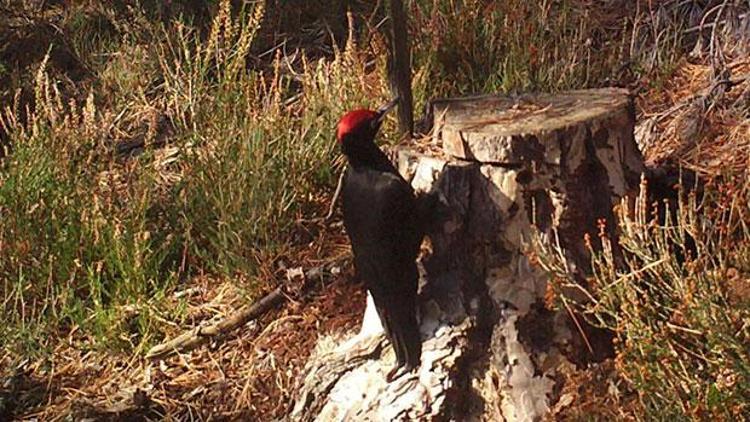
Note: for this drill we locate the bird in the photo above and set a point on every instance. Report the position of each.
(381, 216)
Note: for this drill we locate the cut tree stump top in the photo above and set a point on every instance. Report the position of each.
(498, 129)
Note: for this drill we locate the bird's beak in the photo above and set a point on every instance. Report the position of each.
(385, 108)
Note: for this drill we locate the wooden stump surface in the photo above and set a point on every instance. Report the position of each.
(501, 129)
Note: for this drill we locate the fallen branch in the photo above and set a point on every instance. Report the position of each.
(195, 337)
(199, 335)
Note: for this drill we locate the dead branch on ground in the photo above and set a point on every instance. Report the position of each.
(311, 280)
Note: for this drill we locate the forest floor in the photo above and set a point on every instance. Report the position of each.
(153, 252)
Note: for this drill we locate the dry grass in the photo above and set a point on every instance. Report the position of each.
(152, 155)
(705, 132)
(673, 288)
(676, 299)
(180, 169)
(250, 374)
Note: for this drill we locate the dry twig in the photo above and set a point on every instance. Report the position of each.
(199, 335)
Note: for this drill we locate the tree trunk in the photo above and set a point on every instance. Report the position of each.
(506, 168)
(399, 66)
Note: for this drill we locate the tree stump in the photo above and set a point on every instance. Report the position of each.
(506, 168)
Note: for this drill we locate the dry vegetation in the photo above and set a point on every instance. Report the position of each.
(164, 162)
(675, 285)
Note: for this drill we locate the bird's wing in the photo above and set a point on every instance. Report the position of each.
(380, 217)
(395, 292)
(394, 242)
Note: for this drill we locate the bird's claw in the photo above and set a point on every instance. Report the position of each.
(398, 371)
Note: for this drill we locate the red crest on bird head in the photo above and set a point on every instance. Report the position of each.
(352, 120)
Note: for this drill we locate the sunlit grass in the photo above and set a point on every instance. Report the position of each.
(91, 240)
(681, 324)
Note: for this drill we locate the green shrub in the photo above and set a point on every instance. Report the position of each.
(481, 46)
(681, 313)
(92, 241)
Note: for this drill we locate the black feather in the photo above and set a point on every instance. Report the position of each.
(382, 220)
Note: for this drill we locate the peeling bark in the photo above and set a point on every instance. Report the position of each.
(510, 167)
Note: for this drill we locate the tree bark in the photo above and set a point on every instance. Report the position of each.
(399, 67)
(506, 169)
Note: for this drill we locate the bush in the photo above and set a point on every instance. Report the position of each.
(93, 235)
(674, 291)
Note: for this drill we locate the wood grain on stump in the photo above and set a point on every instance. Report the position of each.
(505, 130)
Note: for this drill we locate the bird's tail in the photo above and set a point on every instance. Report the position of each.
(402, 329)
